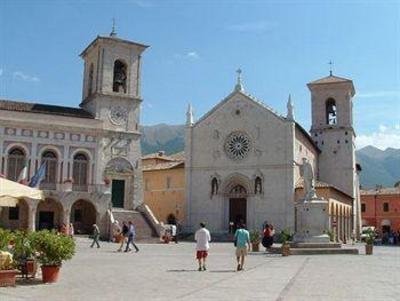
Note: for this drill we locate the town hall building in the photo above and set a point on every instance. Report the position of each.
(92, 154)
(241, 161)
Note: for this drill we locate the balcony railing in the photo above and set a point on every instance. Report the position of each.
(67, 187)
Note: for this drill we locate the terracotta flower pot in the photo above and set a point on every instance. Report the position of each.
(7, 277)
(369, 249)
(31, 267)
(255, 247)
(50, 273)
(285, 250)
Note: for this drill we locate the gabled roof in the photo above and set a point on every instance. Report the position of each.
(163, 165)
(247, 96)
(114, 39)
(331, 79)
(17, 106)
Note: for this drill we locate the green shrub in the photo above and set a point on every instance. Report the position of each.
(52, 248)
(255, 236)
(6, 236)
(284, 236)
(370, 238)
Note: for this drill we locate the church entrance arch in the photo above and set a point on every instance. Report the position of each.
(49, 215)
(237, 206)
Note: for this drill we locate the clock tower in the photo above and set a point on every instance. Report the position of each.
(111, 93)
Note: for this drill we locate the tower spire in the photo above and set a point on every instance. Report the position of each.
(290, 109)
(189, 115)
(239, 85)
(113, 32)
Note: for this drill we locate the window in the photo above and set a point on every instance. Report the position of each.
(13, 213)
(363, 207)
(119, 79)
(168, 182)
(15, 163)
(331, 111)
(386, 207)
(80, 169)
(51, 167)
(90, 84)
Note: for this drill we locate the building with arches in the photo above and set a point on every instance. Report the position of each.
(92, 154)
(240, 161)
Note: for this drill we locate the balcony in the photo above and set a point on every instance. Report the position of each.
(68, 187)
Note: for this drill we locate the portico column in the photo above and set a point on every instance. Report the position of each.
(31, 217)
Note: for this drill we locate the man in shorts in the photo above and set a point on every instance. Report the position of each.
(242, 238)
(202, 238)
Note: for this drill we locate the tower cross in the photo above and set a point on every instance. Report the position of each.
(330, 67)
(239, 86)
(113, 32)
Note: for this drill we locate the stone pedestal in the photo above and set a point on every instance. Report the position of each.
(312, 221)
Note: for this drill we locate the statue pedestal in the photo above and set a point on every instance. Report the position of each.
(312, 221)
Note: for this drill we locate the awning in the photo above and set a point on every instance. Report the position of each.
(386, 222)
(11, 192)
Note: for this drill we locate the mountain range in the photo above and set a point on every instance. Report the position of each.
(378, 167)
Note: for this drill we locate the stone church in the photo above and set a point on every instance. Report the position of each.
(240, 160)
(92, 153)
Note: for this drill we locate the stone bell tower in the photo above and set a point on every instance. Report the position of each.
(333, 132)
(111, 81)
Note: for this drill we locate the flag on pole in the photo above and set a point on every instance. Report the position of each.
(23, 175)
(39, 176)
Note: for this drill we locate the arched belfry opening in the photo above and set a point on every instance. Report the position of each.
(120, 76)
(331, 114)
(90, 84)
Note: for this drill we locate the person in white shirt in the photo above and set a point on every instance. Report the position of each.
(202, 238)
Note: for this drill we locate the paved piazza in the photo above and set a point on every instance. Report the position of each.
(167, 272)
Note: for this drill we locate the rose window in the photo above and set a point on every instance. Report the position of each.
(237, 145)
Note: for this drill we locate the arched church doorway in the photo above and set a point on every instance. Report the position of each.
(83, 216)
(237, 206)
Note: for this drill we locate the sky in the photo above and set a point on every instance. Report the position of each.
(196, 47)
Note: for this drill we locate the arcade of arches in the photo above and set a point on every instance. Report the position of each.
(50, 214)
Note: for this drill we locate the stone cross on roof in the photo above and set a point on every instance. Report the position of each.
(113, 32)
(239, 85)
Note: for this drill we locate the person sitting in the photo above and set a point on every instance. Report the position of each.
(268, 238)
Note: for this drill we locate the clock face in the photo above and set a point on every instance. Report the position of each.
(237, 145)
(118, 115)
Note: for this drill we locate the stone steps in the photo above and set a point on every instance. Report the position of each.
(316, 251)
(315, 245)
(143, 228)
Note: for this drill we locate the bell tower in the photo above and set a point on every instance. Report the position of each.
(332, 130)
(111, 81)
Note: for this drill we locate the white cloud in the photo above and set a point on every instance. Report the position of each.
(377, 94)
(143, 3)
(385, 137)
(255, 27)
(192, 55)
(23, 76)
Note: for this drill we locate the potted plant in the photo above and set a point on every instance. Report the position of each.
(7, 264)
(68, 184)
(369, 239)
(24, 253)
(255, 239)
(284, 240)
(52, 250)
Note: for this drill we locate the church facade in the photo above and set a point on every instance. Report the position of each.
(92, 154)
(241, 160)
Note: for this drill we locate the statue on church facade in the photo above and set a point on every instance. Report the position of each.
(306, 172)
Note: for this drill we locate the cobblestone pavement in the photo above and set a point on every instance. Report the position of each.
(168, 272)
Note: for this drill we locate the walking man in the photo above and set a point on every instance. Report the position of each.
(124, 235)
(242, 238)
(131, 237)
(96, 236)
(202, 238)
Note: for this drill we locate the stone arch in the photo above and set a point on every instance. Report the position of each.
(83, 216)
(84, 151)
(331, 111)
(236, 179)
(49, 214)
(120, 75)
(51, 148)
(17, 145)
(16, 160)
(118, 165)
